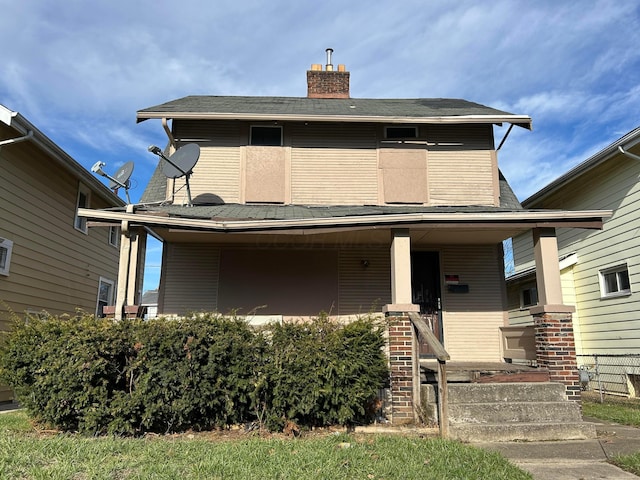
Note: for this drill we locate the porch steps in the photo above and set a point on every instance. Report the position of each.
(500, 412)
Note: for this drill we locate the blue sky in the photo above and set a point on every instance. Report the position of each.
(80, 70)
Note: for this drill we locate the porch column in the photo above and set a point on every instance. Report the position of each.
(132, 252)
(555, 345)
(403, 351)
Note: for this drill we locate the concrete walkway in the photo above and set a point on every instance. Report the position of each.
(575, 459)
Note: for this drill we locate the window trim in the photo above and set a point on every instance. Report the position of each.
(80, 223)
(7, 246)
(109, 301)
(534, 295)
(603, 272)
(114, 236)
(251, 127)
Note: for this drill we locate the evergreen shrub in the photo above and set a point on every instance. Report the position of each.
(129, 377)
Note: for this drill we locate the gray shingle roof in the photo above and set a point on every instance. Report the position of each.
(303, 106)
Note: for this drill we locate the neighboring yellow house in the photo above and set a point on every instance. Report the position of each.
(50, 261)
(337, 204)
(600, 269)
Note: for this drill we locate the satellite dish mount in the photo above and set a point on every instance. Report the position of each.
(180, 163)
(119, 180)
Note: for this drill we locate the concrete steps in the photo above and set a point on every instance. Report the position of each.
(510, 411)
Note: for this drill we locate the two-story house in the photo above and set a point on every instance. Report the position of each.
(50, 261)
(599, 269)
(343, 205)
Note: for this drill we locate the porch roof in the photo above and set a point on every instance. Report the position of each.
(301, 219)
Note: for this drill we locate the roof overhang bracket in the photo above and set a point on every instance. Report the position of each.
(167, 130)
(504, 139)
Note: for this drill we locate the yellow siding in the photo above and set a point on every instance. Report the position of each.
(472, 320)
(605, 325)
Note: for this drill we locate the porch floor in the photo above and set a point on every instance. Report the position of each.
(483, 372)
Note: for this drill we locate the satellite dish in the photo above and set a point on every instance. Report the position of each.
(119, 180)
(182, 161)
(180, 164)
(122, 176)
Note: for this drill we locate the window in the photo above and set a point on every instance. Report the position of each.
(529, 297)
(394, 133)
(114, 236)
(105, 295)
(268, 136)
(83, 202)
(6, 246)
(615, 281)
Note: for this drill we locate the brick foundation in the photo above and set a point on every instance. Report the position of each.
(556, 350)
(401, 363)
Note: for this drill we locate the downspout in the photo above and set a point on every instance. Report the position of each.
(17, 139)
(628, 154)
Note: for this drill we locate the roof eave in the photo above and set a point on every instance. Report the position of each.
(519, 120)
(19, 123)
(629, 140)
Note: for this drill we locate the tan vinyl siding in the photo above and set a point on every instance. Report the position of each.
(472, 320)
(217, 172)
(364, 288)
(334, 165)
(190, 280)
(461, 165)
(54, 267)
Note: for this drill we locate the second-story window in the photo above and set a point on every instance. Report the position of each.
(399, 133)
(82, 202)
(266, 135)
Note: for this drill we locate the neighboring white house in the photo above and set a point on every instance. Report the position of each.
(600, 269)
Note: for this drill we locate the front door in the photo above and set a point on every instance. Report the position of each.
(425, 292)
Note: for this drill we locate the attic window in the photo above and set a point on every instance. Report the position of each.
(398, 133)
(266, 136)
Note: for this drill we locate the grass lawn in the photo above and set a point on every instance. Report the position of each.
(27, 453)
(624, 412)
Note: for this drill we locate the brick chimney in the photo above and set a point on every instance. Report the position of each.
(327, 83)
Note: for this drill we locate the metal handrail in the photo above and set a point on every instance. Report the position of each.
(442, 356)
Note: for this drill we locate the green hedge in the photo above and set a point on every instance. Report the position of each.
(129, 377)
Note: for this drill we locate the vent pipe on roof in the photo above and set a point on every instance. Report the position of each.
(329, 64)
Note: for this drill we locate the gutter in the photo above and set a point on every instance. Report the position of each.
(520, 120)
